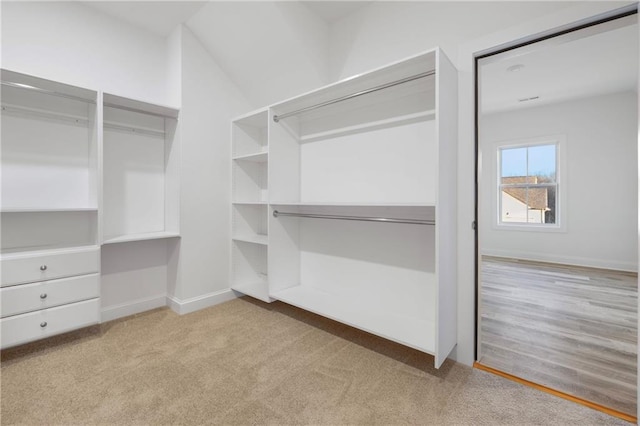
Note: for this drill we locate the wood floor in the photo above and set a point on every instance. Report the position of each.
(570, 328)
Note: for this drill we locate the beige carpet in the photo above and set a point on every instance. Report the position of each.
(245, 362)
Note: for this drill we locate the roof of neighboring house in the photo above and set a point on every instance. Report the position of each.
(537, 198)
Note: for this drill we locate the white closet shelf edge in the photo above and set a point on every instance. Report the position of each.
(254, 239)
(45, 251)
(251, 203)
(140, 237)
(409, 331)
(256, 289)
(349, 204)
(47, 210)
(256, 157)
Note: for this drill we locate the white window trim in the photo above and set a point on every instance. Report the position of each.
(561, 182)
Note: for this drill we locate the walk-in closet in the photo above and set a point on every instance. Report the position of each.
(318, 212)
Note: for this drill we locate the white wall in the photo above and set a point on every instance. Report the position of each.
(174, 67)
(209, 102)
(133, 278)
(599, 181)
(272, 50)
(72, 43)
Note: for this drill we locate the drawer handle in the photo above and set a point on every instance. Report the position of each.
(43, 296)
(43, 268)
(43, 324)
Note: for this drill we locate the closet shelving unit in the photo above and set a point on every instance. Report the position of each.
(49, 164)
(249, 234)
(362, 202)
(49, 209)
(141, 171)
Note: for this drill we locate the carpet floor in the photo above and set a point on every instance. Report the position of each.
(246, 362)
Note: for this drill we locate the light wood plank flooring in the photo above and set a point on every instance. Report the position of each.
(570, 328)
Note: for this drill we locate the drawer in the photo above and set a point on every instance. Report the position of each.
(32, 297)
(25, 328)
(50, 264)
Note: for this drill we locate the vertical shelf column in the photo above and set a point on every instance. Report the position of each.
(141, 205)
(249, 220)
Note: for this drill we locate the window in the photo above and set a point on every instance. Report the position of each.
(528, 185)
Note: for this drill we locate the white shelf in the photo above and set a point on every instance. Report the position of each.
(257, 289)
(257, 118)
(140, 107)
(258, 157)
(372, 125)
(55, 115)
(416, 333)
(251, 203)
(48, 210)
(255, 239)
(351, 204)
(141, 237)
(46, 250)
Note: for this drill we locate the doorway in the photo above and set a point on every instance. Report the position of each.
(558, 212)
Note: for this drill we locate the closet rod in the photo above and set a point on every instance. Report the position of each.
(47, 92)
(277, 118)
(276, 213)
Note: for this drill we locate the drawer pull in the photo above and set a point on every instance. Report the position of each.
(43, 268)
(43, 324)
(43, 296)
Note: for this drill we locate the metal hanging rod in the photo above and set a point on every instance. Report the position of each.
(47, 92)
(277, 118)
(276, 213)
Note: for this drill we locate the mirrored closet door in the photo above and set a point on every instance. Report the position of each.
(558, 212)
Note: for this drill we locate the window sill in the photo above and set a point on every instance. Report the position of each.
(529, 228)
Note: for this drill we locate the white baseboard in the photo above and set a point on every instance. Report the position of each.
(193, 304)
(565, 260)
(134, 307)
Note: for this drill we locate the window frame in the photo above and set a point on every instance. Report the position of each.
(560, 185)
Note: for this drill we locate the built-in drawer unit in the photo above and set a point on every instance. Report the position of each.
(20, 268)
(48, 322)
(24, 298)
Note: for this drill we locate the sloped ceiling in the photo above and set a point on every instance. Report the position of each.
(271, 50)
(332, 11)
(157, 17)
